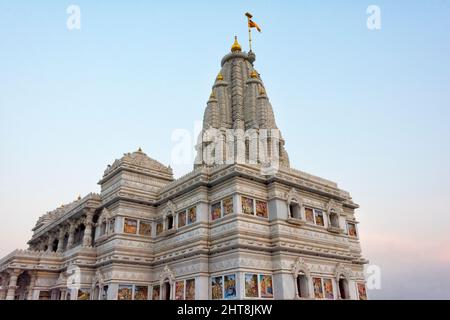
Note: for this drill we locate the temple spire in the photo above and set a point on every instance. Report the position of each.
(239, 101)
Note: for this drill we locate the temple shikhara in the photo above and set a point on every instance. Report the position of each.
(242, 225)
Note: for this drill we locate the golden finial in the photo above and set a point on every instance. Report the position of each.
(254, 74)
(219, 76)
(261, 90)
(212, 96)
(236, 47)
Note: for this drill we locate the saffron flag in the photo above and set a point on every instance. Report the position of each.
(252, 24)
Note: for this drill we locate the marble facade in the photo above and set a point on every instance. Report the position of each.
(223, 231)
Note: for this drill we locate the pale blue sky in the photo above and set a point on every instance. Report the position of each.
(368, 109)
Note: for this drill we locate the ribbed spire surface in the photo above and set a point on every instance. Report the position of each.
(239, 100)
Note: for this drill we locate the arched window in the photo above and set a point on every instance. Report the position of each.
(343, 288)
(295, 210)
(65, 241)
(78, 236)
(96, 292)
(302, 286)
(302, 278)
(103, 228)
(55, 245)
(112, 226)
(22, 286)
(169, 222)
(334, 219)
(166, 290)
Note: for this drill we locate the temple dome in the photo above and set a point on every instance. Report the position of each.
(140, 162)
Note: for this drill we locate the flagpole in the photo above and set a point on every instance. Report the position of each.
(249, 16)
(250, 38)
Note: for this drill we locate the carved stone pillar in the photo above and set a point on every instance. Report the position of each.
(43, 242)
(33, 277)
(62, 233)
(51, 238)
(87, 238)
(71, 235)
(13, 275)
(3, 287)
(63, 294)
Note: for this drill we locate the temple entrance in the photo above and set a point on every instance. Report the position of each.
(343, 288)
(23, 283)
(166, 290)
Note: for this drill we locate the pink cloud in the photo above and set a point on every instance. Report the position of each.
(406, 247)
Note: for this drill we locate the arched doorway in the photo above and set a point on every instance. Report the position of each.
(96, 292)
(343, 288)
(166, 293)
(104, 293)
(55, 245)
(302, 286)
(169, 222)
(302, 279)
(23, 284)
(166, 281)
(99, 289)
(65, 241)
(100, 292)
(334, 219)
(294, 209)
(78, 235)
